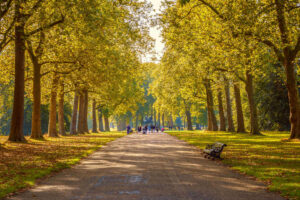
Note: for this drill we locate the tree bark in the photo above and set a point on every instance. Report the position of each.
(293, 95)
(106, 121)
(163, 120)
(94, 117)
(136, 120)
(210, 107)
(154, 117)
(188, 119)
(85, 121)
(221, 112)
(80, 121)
(36, 130)
(228, 107)
(61, 121)
(52, 132)
(253, 112)
(17, 119)
(100, 120)
(158, 120)
(239, 109)
(287, 57)
(74, 115)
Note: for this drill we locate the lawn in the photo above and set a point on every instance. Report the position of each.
(271, 158)
(21, 164)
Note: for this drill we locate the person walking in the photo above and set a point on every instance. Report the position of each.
(128, 129)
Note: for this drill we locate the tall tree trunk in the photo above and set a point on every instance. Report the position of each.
(288, 58)
(80, 120)
(17, 119)
(158, 120)
(154, 117)
(253, 112)
(106, 121)
(61, 121)
(136, 121)
(100, 120)
(163, 120)
(228, 107)
(36, 130)
(209, 122)
(142, 119)
(52, 111)
(294, 103)
(188, 119)
(85, 121)
(239, 109)
(94, 117)
(171, 121)
(74, 115)
(221, 112)
(210, 106)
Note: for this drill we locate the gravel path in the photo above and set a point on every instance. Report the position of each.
(148, 167)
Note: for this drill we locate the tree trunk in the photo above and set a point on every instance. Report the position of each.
(188, 119)
(61, 121)
(209, 122)
(239, 109)
(154, 117)
(36, 130)
(94, 117)
(228, 107)
(52, 111)
(106, 121)
(253, 112)
(210, 107)
(158, 120)
(100, 120)
(163, 120)
(74, 115)
(171, 121)
(17, 119)
(81, 114)
(221, 112)
(136, 121)
(288, 58)
(85, 121)
(291, 84)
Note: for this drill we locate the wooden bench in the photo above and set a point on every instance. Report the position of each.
(214, 150)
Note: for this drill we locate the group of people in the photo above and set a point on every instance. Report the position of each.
(146, 129)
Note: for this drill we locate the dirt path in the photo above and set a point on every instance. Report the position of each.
(148, 167)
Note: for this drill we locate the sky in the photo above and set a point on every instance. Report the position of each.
(155, 34)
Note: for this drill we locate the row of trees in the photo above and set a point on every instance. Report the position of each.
(217, 48)
(80, 52)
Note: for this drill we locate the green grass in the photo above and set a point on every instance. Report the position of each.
(270, 158)
(21, 164)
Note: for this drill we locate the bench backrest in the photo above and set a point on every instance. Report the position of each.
(218, 147)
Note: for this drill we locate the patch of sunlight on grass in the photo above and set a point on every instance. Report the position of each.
(22, 163)
(270, 158)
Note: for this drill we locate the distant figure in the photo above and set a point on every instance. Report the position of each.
(139, 129)
(128, 129)
(145, 129)
(156, 128)
(162, 129)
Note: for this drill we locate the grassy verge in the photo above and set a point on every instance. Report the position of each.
(22, 163)
(269, 157)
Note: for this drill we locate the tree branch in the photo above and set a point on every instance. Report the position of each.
(212, 8)
(46, 27)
